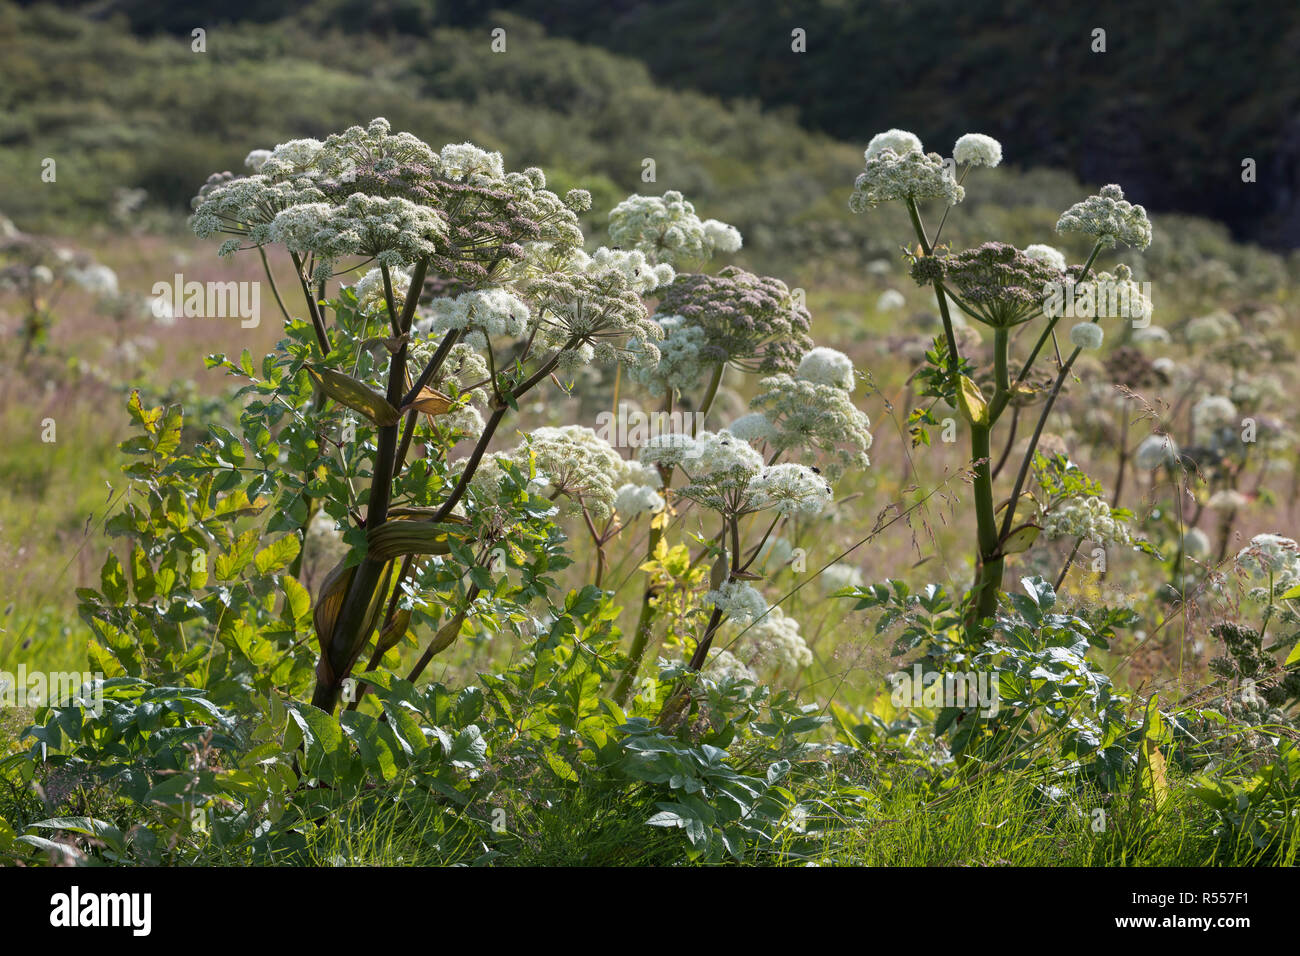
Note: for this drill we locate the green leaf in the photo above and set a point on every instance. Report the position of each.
(229, 565)
(278, 555)
(112, 580)
(469, 749)
(297, 604)
(142, 578)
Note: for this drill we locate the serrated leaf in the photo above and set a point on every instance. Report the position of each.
(277, 555)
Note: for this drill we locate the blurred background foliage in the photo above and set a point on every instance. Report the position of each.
(1178, 100)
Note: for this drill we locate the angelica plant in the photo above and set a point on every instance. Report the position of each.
(528, 302)
(1003, 289)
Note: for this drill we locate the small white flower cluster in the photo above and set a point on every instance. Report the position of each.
(1212, 413)
(837, 576)
(370, 291)
(1113, 295)
(1151, 335)
(578, 463)
(1208, 329)
(813, 412)
(753, 428)
(570, 461)
(912, 175)
(1154, 451)
(890, 300)
(1272, 556)
(393, 230)
(1109, 218)
(680, 366)
(490, 312)
(97, 279)
(976, 149)
(642, 275)
(1048, 254)
(461, 161)
(739, 600)
(1196, 543)
(773, 641)
(1255, 391)
(667, 230)
(631, 501)
(790, 489)
(898, 141)
(1085, 517)
(256, 159)
(724, 665)
(594, 315)
(1227, 499)
(719, 468)
(297, 157)
(1087, 335)
(668, 450)
(825, 366)
(726, 474)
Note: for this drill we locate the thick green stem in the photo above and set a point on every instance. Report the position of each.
(954, 360)
(991, 563)
(349, 636)
(646, 619)
(641, 636)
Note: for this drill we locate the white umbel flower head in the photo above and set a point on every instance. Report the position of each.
(632, 501)
(257, 159)
(669, 450)
(753, 428)
(898, 140)
(461, 161)
(1227, 499)
(777, 643)
(739, 600)
(721, 454)
(976, 149)
(1087, 335)
(369, 289)
(1109, 218)
(667, 230)
(1085, 517)
(1045, 253)
(912, 176)
(1196, 543)
(836, 576)
(1271, 555)
(493, 312)
(1212, 413)
(790, 489)
(1154, 451)
(724, 238)
(890, 300)
(724, 665)
(825, 366)
(97, 279)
